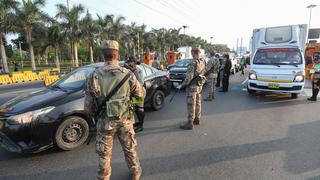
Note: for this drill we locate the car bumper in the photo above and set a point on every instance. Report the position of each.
(26, 138)
(294, 87)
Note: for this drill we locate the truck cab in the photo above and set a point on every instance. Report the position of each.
(277, 63)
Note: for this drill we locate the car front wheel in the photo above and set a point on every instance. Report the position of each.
(158, 100)
(294, 95)
(71, 133)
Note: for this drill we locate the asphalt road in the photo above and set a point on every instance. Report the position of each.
(241, 137)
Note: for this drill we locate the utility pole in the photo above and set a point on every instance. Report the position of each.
(240, 46)
(237, 46)
(211, 39)
(311, 6)
(20, 51)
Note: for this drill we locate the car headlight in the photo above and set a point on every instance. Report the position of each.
(252, 75)
(29, 116)
(299, 77)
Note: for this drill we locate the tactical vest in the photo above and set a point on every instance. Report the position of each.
(119, 104)
(200, 68)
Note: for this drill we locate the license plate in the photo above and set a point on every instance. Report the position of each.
(1, 124)
(273, 86)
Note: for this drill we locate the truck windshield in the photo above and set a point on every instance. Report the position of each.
(278, 56)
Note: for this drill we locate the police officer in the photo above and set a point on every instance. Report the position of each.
(212, 70)
(193, 82)
(116, 117)
(315, 78)
(225, 73)
(138, 102)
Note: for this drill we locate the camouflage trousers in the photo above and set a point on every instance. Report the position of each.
(194, 105)
(104, 144)
(211, 83)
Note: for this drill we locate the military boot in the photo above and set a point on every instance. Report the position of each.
(187, 126)
(196, 121)
(314, 95)
(209, 98)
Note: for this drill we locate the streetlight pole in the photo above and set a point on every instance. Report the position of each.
(311, 6)
(184, 29)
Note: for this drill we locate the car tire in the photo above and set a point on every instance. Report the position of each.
(294, 95)
(71, 133)
(158, 100)
(250, 91)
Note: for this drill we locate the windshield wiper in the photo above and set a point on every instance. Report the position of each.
(291, 65)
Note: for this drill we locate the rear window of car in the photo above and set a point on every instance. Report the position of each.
(278, 56)
(182, 63)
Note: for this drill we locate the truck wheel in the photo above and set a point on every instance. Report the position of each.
(71, 133)
(294, 95)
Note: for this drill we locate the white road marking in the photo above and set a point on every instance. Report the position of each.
(245, 81)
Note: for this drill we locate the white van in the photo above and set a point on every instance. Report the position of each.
(277, 62)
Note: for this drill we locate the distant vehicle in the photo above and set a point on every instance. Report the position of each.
(235, 65)
(178, 70)
(278, 64)
(55, 116)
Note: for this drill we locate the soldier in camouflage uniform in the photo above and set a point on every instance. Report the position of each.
(193, 82)
(116, 118)
(212, 70)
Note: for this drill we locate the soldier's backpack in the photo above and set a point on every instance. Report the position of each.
(116, 101)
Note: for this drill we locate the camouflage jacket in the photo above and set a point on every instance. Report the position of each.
(196, 68)
(93, 90)
(212, 68)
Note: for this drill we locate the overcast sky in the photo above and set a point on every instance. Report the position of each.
(224, 20)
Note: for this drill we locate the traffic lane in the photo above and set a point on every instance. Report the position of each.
(244, 143)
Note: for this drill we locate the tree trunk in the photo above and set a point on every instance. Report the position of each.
(29, 41)
(76, 54)
(3, 55)
(57, 59)
(91, 54)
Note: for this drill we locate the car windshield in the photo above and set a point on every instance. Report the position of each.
(74, 80)
(182, 63)
(278, 56)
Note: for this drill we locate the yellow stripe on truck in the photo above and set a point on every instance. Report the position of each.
(275, 80)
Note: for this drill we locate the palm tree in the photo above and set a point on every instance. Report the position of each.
(89, 30)
(116, 29)
(56, 39)
(27, 15)
(7, 9)
(103, 24)
(71, 20)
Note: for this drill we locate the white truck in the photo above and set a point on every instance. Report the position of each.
(277, 61)
(186, 52)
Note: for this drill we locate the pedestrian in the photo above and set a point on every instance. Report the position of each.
(315, 78)
(15, 66)
(194, 82)
(225, 73)
(107, 98)
(212, 70)
(138, 102)
(220, 69)
(242, 64)
(156, 64)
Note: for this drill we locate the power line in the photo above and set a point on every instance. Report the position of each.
(159, 12)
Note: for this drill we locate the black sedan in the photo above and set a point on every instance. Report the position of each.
(54, 115)
(178, 70)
